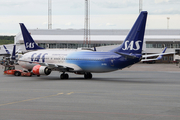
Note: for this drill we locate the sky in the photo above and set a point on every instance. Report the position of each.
(69, 14)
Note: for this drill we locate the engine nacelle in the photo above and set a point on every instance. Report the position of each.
(41, 70)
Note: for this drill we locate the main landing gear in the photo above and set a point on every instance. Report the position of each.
(64, 76)
(87, 75)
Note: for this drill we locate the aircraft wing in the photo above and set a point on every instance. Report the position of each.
(160, 55)
(5, 55)
(53, 66)
(152, 55)
(57, 66)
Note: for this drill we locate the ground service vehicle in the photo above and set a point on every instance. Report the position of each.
(10, 70)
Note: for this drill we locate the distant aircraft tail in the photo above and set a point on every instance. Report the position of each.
(134, 40)
(13, 56)
(7, 51)
(28, 40)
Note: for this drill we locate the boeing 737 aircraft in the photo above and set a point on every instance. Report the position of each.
(43, 62)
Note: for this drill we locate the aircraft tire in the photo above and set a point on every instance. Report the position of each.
(17, 73)
(64, 76)
(88, 75)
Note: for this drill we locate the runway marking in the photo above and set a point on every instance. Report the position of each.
(34, 99)
(70, 93)
(60, 93)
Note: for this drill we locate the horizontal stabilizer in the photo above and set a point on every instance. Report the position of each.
(131, 56)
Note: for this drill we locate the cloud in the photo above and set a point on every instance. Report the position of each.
(69, 24)
(77, 5)
(45, 23)
(167, 11)
(114, 4)
(105, 14)
(161, 1)
(20, 2)
(110, 24)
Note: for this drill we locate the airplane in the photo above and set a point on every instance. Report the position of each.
(85, 62)
(31, 45)
(11, 58)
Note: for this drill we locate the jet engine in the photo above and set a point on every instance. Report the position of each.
(41, 70)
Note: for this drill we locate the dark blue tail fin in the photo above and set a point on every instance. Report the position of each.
(7, 51)
(134, 40)
(28, 40)
(13, 56)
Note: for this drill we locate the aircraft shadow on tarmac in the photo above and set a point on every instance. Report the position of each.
(118, 80)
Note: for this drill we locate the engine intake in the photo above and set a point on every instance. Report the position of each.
(41, 70)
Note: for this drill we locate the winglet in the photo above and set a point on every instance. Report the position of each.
(161, 55)
(164, 50)
(94, 48)
(28, 40)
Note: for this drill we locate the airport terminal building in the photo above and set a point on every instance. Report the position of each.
(154, 40)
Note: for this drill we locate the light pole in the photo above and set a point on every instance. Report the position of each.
(140, 6)
(168, 22)
(49, 14)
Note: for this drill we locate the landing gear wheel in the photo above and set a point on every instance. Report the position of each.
(88, 75)
(17, 73)
(64, 76)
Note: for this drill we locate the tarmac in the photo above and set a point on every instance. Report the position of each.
(141, 92)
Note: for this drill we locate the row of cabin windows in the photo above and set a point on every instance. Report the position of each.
(39, 58)
(72, 59)
(72, 45)
(79, 59)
